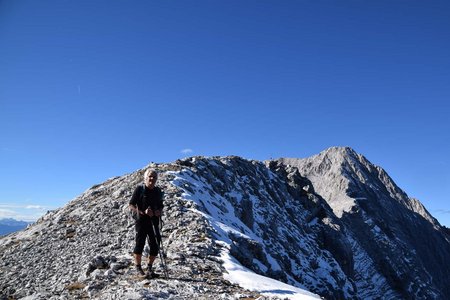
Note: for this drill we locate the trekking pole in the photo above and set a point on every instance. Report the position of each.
(162, 255)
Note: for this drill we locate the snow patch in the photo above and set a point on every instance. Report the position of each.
(268, 287)
(220, 214)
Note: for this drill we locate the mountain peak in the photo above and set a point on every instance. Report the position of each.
(340, 155)
(340, 150)
(340, 174)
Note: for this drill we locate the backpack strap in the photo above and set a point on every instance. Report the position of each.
(141, 196)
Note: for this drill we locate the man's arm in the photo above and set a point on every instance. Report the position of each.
(134, 199)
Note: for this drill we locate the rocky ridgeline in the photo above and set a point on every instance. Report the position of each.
(83, 250)
(333, 224)
(393, 237)
(271, 212)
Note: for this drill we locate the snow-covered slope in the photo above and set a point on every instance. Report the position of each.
(332, 225)
(262, 224)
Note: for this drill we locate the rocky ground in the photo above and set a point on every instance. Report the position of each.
(83, 250)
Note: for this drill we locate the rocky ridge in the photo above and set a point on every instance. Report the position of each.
(402, 243)
(324, 224)
(83, 250)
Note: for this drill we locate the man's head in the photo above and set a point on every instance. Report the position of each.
(150, 177)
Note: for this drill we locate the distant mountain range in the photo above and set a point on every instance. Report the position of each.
(334, 224)
(9, 225)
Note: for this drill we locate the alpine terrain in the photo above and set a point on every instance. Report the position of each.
(333, 226)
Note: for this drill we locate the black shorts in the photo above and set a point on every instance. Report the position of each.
(144, 230)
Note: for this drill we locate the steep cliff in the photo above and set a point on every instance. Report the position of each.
(402, 243)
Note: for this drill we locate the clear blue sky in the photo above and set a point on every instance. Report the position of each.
(95, 89)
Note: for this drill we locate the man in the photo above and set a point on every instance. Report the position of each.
(147, 203)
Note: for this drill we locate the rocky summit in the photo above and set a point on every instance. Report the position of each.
(333, 224)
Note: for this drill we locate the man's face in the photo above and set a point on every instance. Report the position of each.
(150, 179)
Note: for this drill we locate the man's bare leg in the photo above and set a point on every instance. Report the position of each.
(138, 261)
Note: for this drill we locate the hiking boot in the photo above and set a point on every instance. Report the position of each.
(151, 275)
(139, 270)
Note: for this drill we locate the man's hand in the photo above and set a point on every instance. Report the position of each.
(157, 213)
(136, 209)
(149, 212)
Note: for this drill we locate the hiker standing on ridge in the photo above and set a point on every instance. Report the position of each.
(147, 203)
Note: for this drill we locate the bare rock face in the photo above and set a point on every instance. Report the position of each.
(333, 224)
(406, 250)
